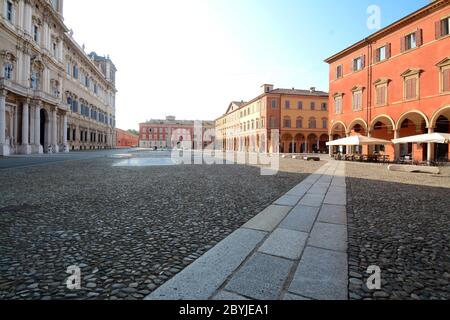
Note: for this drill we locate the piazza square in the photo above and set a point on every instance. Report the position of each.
(330, 184)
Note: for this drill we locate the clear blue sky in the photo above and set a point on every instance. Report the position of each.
(190, 58)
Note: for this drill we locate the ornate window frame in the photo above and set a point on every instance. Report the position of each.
(357, 90)
(443, 65)
(380, 83)
(412, 73)
(338, 96)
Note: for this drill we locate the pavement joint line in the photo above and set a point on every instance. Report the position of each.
(295, 266)
(325, 249)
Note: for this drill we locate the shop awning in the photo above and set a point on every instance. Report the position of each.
(358, 141)
(425, 138)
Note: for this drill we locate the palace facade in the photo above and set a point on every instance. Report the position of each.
(300, 117)
(172, 133)
(395, 84)
(53, 96)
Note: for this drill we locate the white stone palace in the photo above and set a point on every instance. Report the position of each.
(53, 96)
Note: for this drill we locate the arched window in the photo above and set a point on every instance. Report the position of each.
(287, 122)
(299, 123)
(312, 123)
(324, 123)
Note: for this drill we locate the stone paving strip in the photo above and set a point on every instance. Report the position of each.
(296, 249)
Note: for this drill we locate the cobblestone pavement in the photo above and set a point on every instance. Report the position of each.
(129, 229)
(296, 249)
(16, 161)
(400, 222)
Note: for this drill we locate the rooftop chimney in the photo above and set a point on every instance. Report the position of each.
(312, 89)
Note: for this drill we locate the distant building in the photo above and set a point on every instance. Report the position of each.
(395, 84)
(171, 133)
(300, 116)
(126, 139)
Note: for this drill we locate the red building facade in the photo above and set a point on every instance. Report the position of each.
(396, 83)
(126, 139)
(171, 133)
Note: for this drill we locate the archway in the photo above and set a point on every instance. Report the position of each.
(300, 143)
(323, 143)
(442, 150)
(411, 124)
(287, 143)
(313, 142)
(382, 127)
(338, 131)
(358, 128)
(441, 123)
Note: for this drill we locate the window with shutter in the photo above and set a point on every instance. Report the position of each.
(357, 101)
(381, 54)
(339, 72)
(338, 104)
(419, 37)
(411, 41)
(442, 28)
(381, 95)
(438, 29)
(358, 63)
(411, 88)
(446, 80)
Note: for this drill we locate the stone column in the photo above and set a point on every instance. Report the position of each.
(37, 130)
(4, 149)
(396, 146)
(25, 148)
(330, 138)
(54, 135)
(430, 148)
(65, 145)
(32, 124)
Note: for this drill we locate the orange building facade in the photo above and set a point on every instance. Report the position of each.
(126, 139)
(299, 116)
(395, 84)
